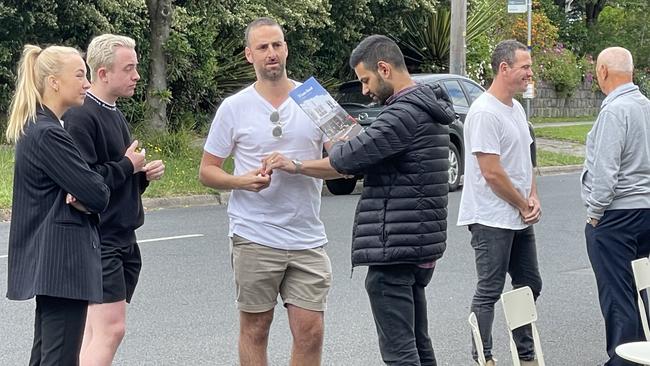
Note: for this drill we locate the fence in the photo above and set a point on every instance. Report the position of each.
(583, 102)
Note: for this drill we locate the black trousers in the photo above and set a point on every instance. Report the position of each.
(58, 331)
(399, 307)
(619, 238)
(499, 252)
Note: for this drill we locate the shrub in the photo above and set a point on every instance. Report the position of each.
(559, 67)
(642, 79)
(164, 145)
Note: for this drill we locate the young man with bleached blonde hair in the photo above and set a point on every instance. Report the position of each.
(101, 51)
(101, 132)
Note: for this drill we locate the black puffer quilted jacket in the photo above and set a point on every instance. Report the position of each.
(403, 155)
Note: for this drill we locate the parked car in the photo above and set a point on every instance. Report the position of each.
(462, 92)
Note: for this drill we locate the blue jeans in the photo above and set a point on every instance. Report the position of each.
(497, 252)
(619, 238)
(399, 307)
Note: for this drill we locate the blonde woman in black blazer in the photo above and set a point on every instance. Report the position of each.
(53, 241)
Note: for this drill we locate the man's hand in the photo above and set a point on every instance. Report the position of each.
(535, 211)
(137, 158)
(72, 201)
(278, 161)
(154, 170)
(594, 222)
(255, 180)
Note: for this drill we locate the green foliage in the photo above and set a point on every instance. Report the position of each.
(559, 67)
(642, 79)
(429, 43)
(181, 176)
(625, 25)
(572, 31)
(49, 22)
(205, 55)
(177, 143)
(427, 37)
(478, 56)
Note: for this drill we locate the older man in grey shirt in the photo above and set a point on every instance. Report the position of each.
(616, 190)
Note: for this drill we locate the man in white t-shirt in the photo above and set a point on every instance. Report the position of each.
(499, 201)
(276, 233)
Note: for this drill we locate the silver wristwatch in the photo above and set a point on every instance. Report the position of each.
(298, 165)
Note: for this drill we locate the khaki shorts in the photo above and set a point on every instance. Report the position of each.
(301, 277)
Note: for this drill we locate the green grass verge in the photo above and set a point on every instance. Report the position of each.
(6, 175)
(577, 133)
(562, 119)
(182, 171)
(547, 158)
(181, 174)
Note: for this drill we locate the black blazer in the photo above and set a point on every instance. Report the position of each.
(53, 248)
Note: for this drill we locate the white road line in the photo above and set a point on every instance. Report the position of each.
(154, 240)
(170, 238)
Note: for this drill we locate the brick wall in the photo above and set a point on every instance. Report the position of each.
(583, 102)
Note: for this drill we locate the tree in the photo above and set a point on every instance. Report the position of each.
(592, 9)
(589, 10)
(627, 25)
(48, 22)
(160, 18)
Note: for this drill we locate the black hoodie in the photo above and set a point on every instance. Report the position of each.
(404, 157)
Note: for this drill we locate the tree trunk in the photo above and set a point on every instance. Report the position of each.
(592, 11)
(160, 18)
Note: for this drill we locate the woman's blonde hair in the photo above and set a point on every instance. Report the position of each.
(35, 66)
(101, 51)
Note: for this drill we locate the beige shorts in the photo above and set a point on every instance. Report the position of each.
(301, 277)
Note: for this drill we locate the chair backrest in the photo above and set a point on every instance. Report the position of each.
(476, 336)
(641, 270)
(519, 309)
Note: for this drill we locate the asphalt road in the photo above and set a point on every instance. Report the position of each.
(184, 313)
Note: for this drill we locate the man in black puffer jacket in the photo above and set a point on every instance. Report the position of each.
(401, 221)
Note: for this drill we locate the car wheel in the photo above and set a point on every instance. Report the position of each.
(341, 186)
(455, 168)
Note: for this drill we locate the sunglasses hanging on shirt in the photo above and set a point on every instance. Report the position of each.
(277, 125)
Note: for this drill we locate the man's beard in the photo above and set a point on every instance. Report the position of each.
(383, 92)
(273, 75)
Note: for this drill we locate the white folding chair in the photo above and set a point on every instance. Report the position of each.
(476, 335)
(519, 309)
(641, 270)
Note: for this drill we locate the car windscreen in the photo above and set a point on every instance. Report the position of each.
(351, 95)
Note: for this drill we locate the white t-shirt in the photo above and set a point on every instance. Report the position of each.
(495, 128)
(286, 215)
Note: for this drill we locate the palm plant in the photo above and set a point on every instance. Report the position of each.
(427, 36)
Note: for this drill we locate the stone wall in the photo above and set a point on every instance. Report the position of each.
(583, 102)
